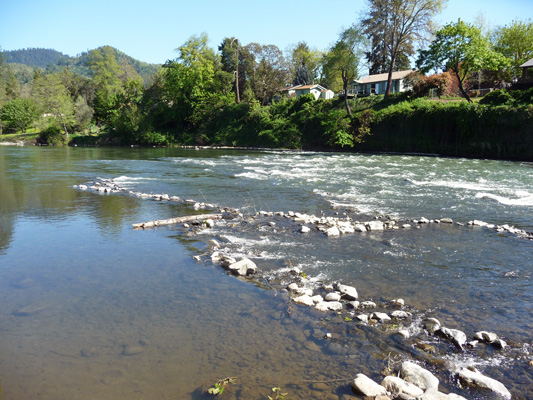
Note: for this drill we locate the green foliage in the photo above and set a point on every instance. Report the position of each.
(278, 395)
(19, 114)
(497, 98)
(53, 136)
(515, 43)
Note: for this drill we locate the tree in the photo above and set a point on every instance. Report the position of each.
(397, 24)
(54, 100)
(9, 87)
(231, 59)
(515, 42)
(461, 48)
(19, 113)
(343, 59)
(304, 64)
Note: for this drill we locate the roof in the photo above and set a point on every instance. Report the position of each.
(303, 87)
(384, 77)
(527, 64)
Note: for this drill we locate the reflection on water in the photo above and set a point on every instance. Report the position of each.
(93, 309)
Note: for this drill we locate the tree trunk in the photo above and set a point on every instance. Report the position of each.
(345, 84)
(462, 89)
(389, 77)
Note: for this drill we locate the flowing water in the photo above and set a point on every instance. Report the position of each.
(93, 309)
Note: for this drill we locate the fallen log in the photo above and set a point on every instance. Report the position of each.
(178, 220)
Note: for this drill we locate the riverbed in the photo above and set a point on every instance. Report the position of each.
(95, 309)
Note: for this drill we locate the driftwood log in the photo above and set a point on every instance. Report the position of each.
(178, 220)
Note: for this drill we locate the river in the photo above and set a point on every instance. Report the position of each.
(94, 309)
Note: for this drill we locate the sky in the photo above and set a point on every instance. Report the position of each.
(151, 31)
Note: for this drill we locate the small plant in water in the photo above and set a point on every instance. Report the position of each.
(218, 387)
(276, 391)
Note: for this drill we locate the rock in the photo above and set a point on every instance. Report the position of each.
(476, 378)
(213, 244)
(406, 226)
(353, 304)
(309, 345)
(329, 305)
(362, 317)
(293, 287)
(243, 267)
(446, 220)
(484, 336)
(305, 229)
(305, 300)
(320, 386)
(435, 395)
(359, 228)
(368, 304)
(423, 221)
(400, 314)
(431, 325)
(404, 333)
(348, 292)
(317, 299)
(31, 309)
(364, 386)
(398, 302)
(456, 336)
(226, 260)
(397, 385)
(111, 376)
(415, 374)
(333, 296)
(499, 344)
(132, 350)
(381, 317)
(375, 226)
(333, 231)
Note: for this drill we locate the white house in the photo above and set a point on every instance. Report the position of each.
(317, 90)
(377, 84)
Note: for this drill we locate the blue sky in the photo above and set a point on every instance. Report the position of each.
(150, 31)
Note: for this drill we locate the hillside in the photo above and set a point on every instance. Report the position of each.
(53, 60)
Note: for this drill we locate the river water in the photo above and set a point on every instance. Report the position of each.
(94, 309)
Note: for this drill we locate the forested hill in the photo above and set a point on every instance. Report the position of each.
(53, 60)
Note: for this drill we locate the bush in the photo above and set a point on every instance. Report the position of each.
(52, 136)
(497, 98)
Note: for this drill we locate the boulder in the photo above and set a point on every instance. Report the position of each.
(359, 228)
(368, 304)
(243, 267)
(485, 336)
(397, 385)
(431, 325)
(375, 226)
(304, 300)
(364, 386)
(333, 231)
(333, 296)
(446, 220)
(415, 374)
(329, 305)
(305, 229)
(381, 317)
(456, 336)
(348, 292)
(475, 378)
(362, 317)
(400, 314)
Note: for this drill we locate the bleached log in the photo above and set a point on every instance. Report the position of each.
(178, 220)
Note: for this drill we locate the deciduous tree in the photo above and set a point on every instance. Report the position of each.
(397, 24)
(515, 42)
(19, 113)
(461, 48)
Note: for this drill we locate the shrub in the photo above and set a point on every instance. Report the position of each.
(497, 98)
(52, 136)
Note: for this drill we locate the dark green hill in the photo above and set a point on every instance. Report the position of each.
(52, 61)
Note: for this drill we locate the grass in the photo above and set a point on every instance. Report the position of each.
(27, 137)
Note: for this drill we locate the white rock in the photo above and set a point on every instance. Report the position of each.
(243, 267)
(349, 292)
(423, 221)
(329, 305)
(368, 304)
(333, 231)
(353, 304)
(362, 317)
(359, 228)
(398, 302)
(418, 376)
(476, 378)
(375, 226)
(305, 229)
(406, 226)
(333, 296)
(364, 386)
(431, 325)
(485, 336)
(456, 336)
(304, 300)
(381, 317)
(405, 333)
(397, 385)
(400, 314)
(293, 287)
(317, 299)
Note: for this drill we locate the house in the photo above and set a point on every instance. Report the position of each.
(317, 90)
(377, 84)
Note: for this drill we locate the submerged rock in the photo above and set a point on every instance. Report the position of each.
(132, 350)
(364, 386)
(475, 378)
